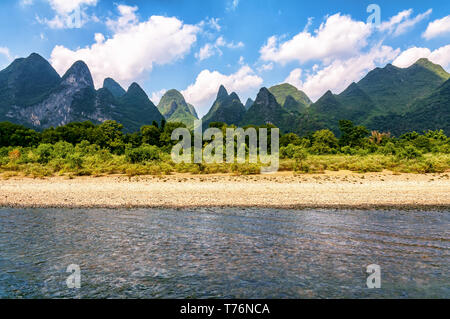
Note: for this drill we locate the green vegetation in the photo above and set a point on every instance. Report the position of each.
(95, 150)
(175, 109)
(227, 108)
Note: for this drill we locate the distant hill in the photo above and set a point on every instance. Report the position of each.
(384, 91)
(175, 109)
(429, 113)
(387, 99)
(249, 103)
(135, 109)
(226, 108)
(266, 110)
(298, 100)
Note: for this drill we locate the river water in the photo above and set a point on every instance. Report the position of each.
(224, 253)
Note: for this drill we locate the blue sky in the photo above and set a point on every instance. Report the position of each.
(194, 46)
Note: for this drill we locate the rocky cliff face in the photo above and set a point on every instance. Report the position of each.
(74, 99)
(54, 101)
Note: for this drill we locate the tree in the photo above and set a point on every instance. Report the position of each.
(109, 135)
(324, 142)
(150, 135)
(17, 135)
(351, 135)
(290, 138)
(166, 135)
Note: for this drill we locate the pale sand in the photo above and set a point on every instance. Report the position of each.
(283, 190)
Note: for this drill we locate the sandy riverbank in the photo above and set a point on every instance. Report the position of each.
(283, 190)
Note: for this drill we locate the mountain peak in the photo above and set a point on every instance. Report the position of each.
(223, 93)
(35, 57)
(135, 89)
(79, 74)
(435, 68)
(282, 91)
(234, 96)
(249, 103)
(265, 97)
(113, 87)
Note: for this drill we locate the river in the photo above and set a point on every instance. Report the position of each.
(224, 253)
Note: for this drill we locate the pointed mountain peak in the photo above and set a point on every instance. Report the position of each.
(435, 68)
(135, 89)
(326, 97)
(113, 87)
(265, 97)
(36, 57)
(234, 96)
(223, 93)
(79, 74)
(249, 103)
(424, 62)
(173, 93)
(282, 91)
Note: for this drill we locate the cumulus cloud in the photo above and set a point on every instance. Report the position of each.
(204, 90)
(437, 28)
(338, 37)
(133, 50)
(439, 56)
(294, 78)
(341, 73)
(210, 49)
(403, 21)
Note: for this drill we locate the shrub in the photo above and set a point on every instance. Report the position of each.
(142, 154)
(14, 155)
(44, 152)
(409, 152)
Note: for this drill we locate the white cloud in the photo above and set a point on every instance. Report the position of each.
(127, 17)
(69, 13)
(266, 67)
(437, 28)
(232, 5)
(132, 51)
(210, 49)
(338, 37)
(439, 56)
(409, 23)
(214, 23)
(205, 52)
(25, 3)
(5, 51)
(156, 96)
(341, 73)
(389, 26)
(204, 90)
(402, 22)
(294, 78)
(67, 6)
